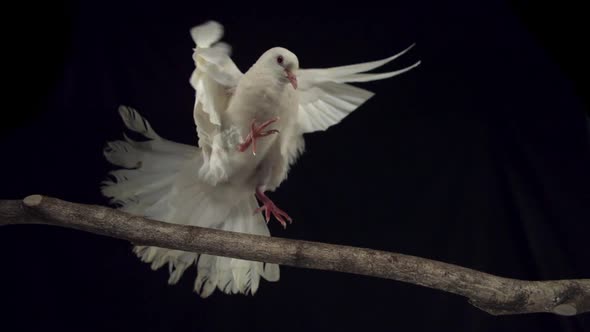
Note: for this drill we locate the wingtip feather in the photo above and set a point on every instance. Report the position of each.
(207, 34)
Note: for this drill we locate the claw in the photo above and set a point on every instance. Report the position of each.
(257, 132)
(269, 208)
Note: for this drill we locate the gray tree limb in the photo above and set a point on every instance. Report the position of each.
(493, 294)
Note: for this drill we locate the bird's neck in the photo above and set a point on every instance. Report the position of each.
(265, 81)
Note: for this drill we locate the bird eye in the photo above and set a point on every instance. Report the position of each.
(280, 59)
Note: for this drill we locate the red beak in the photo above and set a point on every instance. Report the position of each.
(292, 78)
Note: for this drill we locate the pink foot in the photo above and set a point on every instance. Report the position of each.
(269, 207)
(257, 132)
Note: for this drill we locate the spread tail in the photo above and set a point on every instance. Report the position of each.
(160, 181)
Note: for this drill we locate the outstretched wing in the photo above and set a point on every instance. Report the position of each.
(214, 79)
(325, 98)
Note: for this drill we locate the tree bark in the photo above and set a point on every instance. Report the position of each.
(493, 294)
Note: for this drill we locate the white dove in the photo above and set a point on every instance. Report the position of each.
(267, 109)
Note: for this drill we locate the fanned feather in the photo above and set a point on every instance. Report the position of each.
(135, 122)
(159, 181)
(311, 76)
(326, 98)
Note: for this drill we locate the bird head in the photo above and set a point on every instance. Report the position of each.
(281, 62)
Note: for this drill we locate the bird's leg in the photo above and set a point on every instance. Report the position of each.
(269, 207)
(257, 132)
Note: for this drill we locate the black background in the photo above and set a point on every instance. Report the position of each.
(479, 157)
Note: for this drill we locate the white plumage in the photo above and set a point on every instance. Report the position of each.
(214, 184)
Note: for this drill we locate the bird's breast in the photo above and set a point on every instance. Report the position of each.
(269, 100)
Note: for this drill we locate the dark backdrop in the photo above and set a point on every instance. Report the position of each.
(479, 158)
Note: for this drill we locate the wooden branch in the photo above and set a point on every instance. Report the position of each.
(493, 294)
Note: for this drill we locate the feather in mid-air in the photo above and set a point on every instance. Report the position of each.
(250, 130)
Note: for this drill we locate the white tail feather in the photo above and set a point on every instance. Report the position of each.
(160, 181)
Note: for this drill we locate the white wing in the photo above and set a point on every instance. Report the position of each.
(214, 78)
(325, 98)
